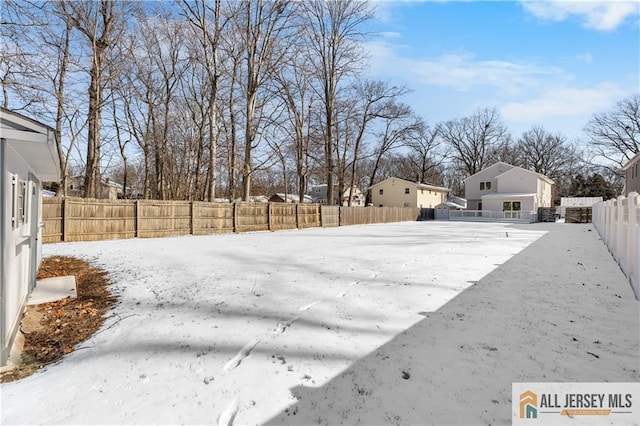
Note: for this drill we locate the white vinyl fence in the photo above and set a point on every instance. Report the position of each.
(618, 223)
(493, 216)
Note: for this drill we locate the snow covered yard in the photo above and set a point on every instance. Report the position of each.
(205, 320)
(281, 326)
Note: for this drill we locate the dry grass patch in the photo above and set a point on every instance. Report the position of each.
(53, 329)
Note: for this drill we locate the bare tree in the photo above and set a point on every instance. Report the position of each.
(265, 31)
(425, 153)
(293, 86)
(397, 128)
(616, 133)
(374, 99)
(35, 63)
(231, 125)
(545, 153)
(333, 33)
(98, 22)
(473, 139)
(200, 14)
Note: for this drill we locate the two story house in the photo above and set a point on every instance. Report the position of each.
(503, 187)
(109, 189)
(395, 192)
(319, 195)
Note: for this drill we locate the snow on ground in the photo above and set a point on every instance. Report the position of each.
(320, 326)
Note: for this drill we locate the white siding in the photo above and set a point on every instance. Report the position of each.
(519, 181)
(472, 190)
(17, 250)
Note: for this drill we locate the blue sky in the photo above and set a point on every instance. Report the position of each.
(549, 63)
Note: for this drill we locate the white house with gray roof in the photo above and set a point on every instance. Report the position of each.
(506, 188)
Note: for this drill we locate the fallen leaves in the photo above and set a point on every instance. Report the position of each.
(65, 323)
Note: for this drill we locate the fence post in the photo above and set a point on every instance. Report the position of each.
(619, 227)
(235, 216)
(64, 219)
(269, 216)
(610, 228)
(191, 219)
(297, 215)
(633, 244)
(137, 218)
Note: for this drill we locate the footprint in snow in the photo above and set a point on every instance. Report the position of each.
(309, 306)
(241, 355)
(229, 414)
(283, 325)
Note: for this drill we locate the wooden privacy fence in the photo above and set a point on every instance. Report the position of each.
(79, 219)
(578, 215)
(546, 214)
(618, 223)
(360, 215)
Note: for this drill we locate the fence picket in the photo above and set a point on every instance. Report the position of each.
(78, 219)
(618, 223)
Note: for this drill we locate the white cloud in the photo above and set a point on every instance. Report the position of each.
(557, 102)
(587, 58)
(598, 15)
(451, 85)
(461, 71)
(390, 34)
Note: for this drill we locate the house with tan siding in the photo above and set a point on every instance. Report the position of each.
(503, 187)
(395, 192)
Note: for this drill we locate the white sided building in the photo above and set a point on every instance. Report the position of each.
(506, 188)
(27, 158)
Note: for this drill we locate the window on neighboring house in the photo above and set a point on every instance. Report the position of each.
(481, 186)
(380, 205)
(407, 190)
(488, 186)
(514, 206)
(406, 204)
(381, 192)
